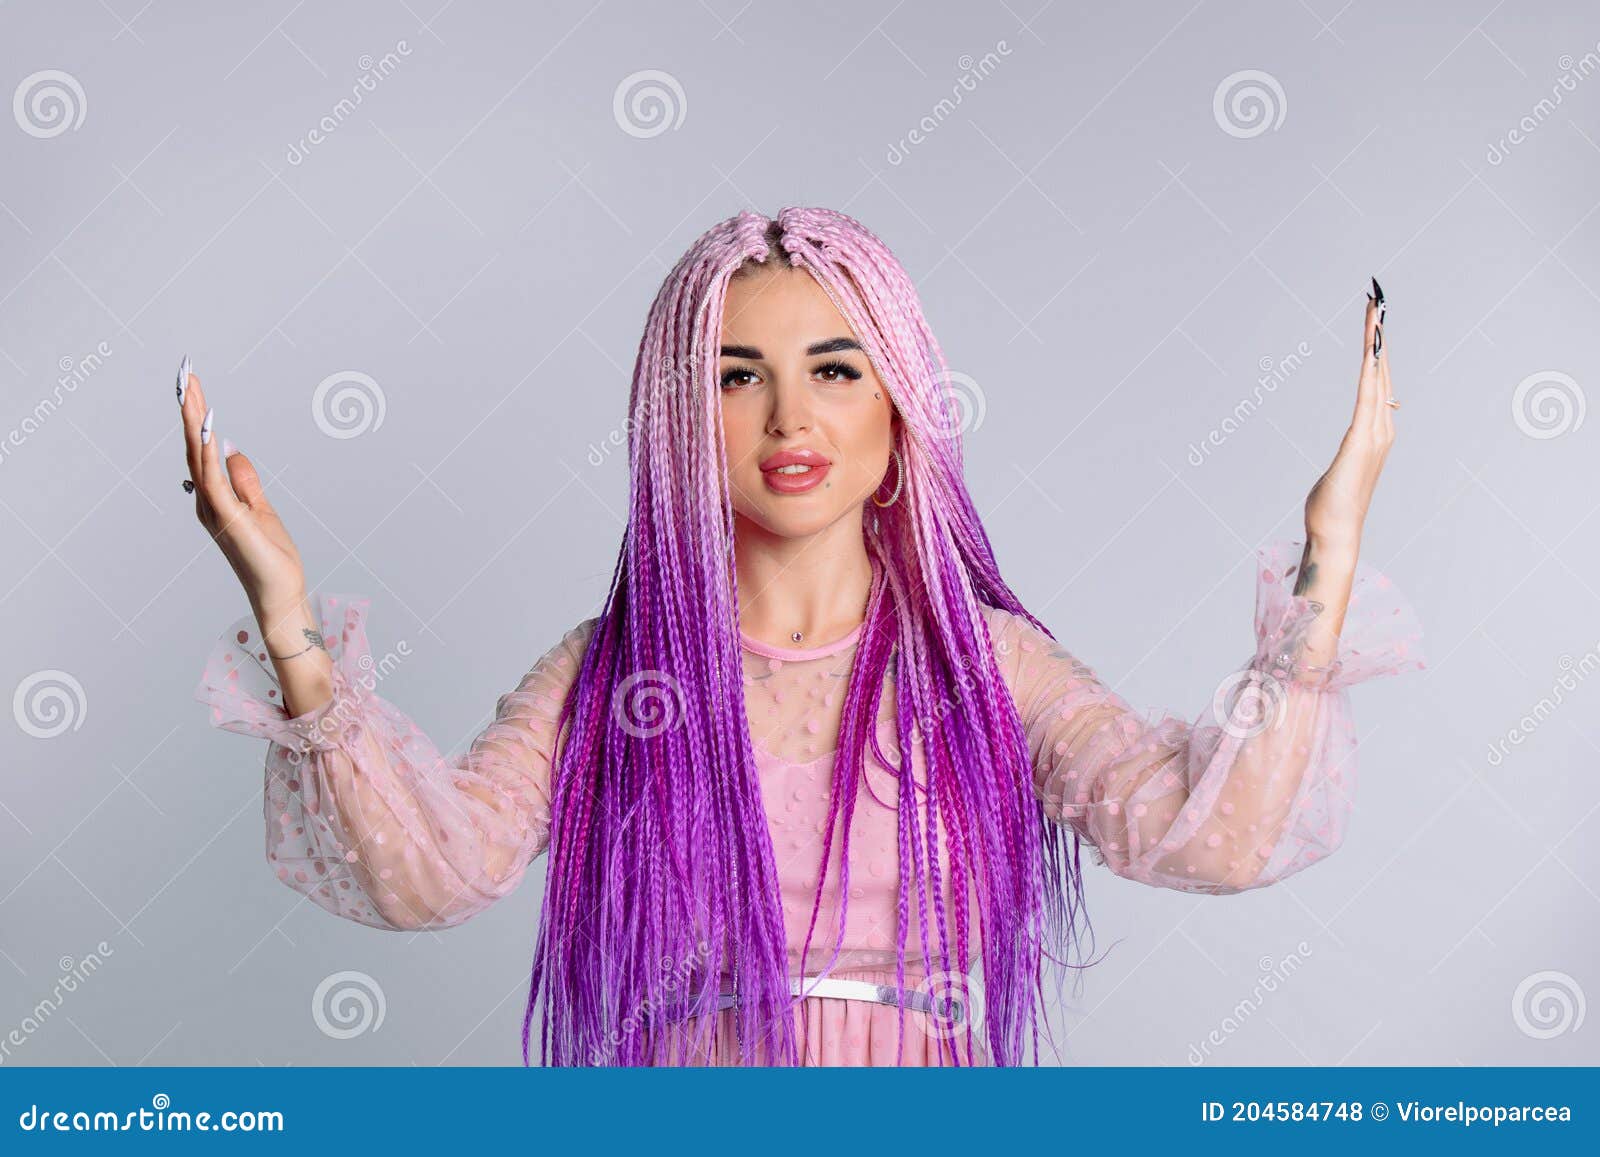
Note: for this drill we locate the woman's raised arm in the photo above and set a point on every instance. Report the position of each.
(1258, 786)
(364, 815)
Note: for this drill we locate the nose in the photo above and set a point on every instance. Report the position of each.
(791, 411)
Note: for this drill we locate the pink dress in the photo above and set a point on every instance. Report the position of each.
(365, 817)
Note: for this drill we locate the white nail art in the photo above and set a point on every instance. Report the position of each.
(183, 379)
(205, 428)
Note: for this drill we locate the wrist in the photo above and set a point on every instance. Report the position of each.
(281, 606)
(1333, 548)
(287, 625)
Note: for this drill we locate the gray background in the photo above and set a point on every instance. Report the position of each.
(1111, 266)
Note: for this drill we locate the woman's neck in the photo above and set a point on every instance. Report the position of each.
(815, 587)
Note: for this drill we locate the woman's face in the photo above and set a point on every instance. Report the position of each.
(798, 392)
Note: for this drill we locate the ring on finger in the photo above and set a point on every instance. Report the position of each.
(188, 486)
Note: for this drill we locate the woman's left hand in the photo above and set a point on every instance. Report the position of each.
(1336, 509)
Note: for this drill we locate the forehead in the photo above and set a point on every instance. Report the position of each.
(779, 306)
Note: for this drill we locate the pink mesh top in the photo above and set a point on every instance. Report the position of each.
(365, 817)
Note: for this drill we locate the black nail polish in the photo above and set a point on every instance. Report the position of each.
(1377, 342)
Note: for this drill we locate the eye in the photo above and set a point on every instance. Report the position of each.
(838, 372)
(732, 378)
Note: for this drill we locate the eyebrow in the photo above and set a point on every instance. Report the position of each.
(831, 346)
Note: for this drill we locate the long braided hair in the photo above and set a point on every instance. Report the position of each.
(662, 881)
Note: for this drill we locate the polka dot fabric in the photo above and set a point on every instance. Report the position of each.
(363, 815)
(367, 819)
(1259, 786)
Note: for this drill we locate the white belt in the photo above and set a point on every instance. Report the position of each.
(838, 988)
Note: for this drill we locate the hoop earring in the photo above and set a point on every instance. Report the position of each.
(899, 479)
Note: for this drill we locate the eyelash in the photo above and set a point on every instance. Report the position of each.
(847, 371)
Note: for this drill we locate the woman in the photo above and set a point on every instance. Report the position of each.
(813, 765)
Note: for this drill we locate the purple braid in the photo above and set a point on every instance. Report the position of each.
(662, 882)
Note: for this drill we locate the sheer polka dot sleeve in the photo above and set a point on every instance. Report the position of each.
(1258, 787)
(363, 815)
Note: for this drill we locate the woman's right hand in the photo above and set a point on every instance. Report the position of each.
(233, 508)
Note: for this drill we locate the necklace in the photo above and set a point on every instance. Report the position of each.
(797, 636)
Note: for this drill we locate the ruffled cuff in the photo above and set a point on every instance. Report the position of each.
(239, 685)
(1381, 634)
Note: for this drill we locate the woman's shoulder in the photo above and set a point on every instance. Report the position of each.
(1008, 628)
(562, 658)
(1027, 651)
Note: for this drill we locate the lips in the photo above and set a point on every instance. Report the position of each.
(794, 471)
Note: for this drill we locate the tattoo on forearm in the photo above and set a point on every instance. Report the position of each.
(1308, 572)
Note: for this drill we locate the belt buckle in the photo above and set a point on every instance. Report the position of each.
(948, 1008)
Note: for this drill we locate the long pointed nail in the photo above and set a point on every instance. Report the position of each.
(228, 449)
(1377, 291)
(205, 428)
(183, 379)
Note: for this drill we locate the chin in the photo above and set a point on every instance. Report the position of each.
(789, 520)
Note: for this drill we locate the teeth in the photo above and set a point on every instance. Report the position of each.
(798, 468)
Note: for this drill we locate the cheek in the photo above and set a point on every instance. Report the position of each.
(739, 432)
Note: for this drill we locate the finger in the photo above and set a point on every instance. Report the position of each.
(1388, 389)
(213, 482)
(191, 410)
(1369, 382)
(243, 477)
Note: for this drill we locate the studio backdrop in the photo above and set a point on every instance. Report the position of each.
(409, 249)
